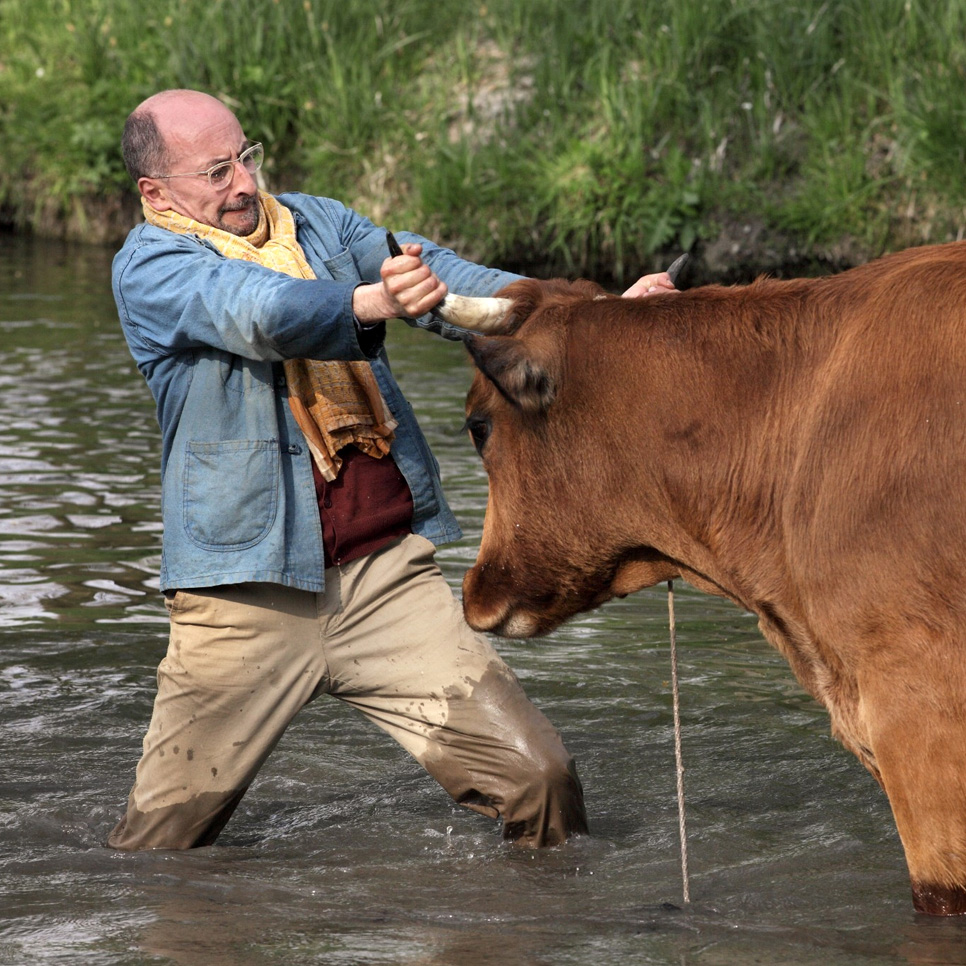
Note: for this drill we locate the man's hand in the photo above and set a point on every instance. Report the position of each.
(650, 285)
(408, 289)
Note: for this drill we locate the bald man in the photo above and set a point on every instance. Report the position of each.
(300, 501)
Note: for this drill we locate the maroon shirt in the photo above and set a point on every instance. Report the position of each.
(365, 507)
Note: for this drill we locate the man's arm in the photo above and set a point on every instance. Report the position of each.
(175, 294)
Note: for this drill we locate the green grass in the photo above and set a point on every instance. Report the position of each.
(591, 136)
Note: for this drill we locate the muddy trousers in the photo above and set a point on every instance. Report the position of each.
(387, 637)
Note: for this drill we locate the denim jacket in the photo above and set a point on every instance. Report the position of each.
(209, 335)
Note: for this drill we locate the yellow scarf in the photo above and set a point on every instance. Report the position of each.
(334, 403)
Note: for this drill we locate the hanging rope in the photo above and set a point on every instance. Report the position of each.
(678, 757)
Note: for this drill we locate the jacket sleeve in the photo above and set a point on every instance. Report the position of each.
(175, 293)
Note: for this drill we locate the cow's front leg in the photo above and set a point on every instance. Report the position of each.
(915, 712)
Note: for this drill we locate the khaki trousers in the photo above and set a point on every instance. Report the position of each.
(387, 637)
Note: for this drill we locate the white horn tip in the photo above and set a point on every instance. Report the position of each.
(486, 315)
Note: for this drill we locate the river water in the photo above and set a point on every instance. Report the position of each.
(344, 852)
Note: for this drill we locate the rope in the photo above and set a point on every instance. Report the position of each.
(678, 758)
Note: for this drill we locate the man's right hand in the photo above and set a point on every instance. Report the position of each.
(408, 289)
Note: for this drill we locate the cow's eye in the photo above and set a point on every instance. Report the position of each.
(479, 430)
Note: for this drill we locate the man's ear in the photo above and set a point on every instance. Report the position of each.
(154, 193)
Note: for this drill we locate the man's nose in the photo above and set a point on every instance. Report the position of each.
(244, 181)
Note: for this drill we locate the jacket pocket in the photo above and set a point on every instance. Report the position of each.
(342, 267)
(230, 492)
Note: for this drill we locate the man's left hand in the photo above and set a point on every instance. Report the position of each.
(650, 285)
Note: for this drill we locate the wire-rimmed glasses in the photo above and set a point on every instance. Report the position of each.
(220, 175)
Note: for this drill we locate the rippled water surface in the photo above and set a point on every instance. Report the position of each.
(344, 851)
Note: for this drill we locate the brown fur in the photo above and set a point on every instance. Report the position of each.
(798, 447)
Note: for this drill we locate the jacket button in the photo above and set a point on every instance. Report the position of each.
(294, 449)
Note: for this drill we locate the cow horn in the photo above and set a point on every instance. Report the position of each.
(677, 267)
(484, 315)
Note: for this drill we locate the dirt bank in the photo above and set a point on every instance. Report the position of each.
(737, 252)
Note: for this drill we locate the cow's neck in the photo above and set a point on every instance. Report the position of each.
(721, 441)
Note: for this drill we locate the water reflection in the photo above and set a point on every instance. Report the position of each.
(344, 852)
(78, 461)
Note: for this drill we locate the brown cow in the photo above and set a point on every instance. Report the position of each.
(796, 446)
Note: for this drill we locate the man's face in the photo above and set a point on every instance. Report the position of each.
(200, 132)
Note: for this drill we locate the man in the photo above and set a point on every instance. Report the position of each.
(300, 501)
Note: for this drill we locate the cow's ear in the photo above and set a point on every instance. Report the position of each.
(515, 370)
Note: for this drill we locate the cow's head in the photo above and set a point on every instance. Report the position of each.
(541, 415)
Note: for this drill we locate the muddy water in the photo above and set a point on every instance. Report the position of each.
(344, 851)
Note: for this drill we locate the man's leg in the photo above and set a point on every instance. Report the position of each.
(402, 654)
(241, 662)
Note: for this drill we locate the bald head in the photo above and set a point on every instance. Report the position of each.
(164, 124)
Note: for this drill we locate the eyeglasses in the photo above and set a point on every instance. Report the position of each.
(220, 175)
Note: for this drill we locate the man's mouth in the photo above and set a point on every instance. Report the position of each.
(243, 204)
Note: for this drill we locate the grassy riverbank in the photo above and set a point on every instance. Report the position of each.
(600, 134)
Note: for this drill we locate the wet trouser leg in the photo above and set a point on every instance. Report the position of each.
(387, 637)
